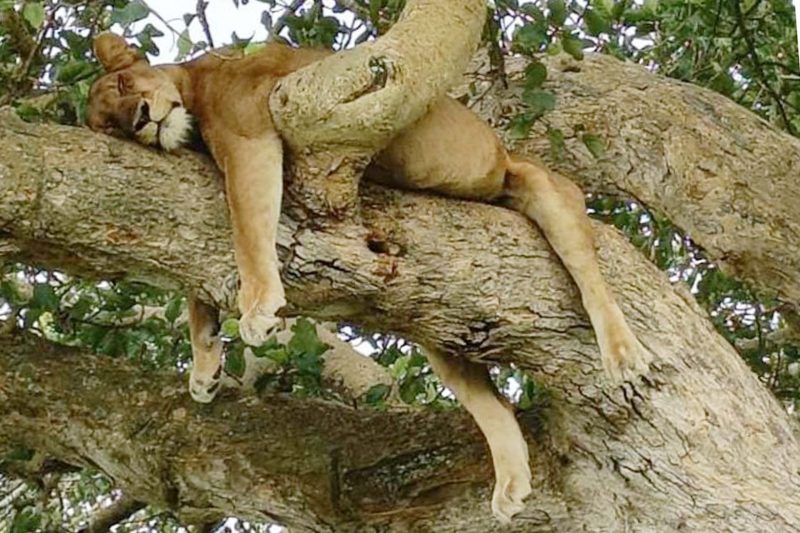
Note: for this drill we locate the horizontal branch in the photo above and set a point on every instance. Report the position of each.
(715, 169)
(300, 463)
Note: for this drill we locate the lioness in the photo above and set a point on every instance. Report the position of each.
(449, 150)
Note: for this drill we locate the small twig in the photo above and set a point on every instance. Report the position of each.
(281, 22)
(201, 16)
(762, 79)
(160, 18)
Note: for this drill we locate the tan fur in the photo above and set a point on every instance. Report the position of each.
(204, 379)
(449, 150)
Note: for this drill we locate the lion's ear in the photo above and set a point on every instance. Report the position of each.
(114, 53)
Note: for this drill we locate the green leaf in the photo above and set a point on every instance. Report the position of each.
(554, 48)
(33, 13)
(74, 71)
(594, 144)
(305, 340)
(377, 394)
(520, 126)
(19, 454)
(252, 48)
(558, 12)
(533, 11)
(26, 521)
(535, 75)
(411, 389)
(10, 292)
(539, 101)
(240, 42)
(618, 10)
(184, 44)
(230, 328)
(145, 38)
(650, 8)
(530, 38)
(129, 14)
(597, 22)
(604, 8)
(573, 46)
(44, 297)
(173, 309)
(234, 360)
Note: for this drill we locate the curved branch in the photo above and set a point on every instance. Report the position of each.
(715, 169)
(375, 90)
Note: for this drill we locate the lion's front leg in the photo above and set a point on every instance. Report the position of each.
(254, 185)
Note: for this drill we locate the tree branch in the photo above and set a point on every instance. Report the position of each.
(380, 88)
(280, 460)
(695, 445)
(716, 170)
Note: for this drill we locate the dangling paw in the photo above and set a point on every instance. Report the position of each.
(512, 479)
(204, 379)
(256, 328)
(623, 357)
(204, 389)
(260, 323)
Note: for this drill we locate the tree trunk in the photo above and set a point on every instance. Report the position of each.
(698, 445)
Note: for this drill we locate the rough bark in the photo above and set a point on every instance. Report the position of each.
(699, 445)
(381, 86)
(373, 91)
(716, 170)
(308, 464)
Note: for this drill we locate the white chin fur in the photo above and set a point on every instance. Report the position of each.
(175, 129)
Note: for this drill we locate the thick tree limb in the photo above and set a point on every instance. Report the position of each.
(715, 169)
(307, 464)
(381, 86)
(372, 92)
(699, 445)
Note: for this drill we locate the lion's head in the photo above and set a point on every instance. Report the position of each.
(135, 98)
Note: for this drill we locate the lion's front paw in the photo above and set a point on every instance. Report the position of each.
(622, 355)
(257, 326)
(204, 388)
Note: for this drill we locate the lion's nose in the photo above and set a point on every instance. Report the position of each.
(144, 116)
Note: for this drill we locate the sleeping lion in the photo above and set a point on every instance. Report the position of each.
(449, 150)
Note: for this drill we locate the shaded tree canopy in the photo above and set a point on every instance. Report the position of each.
(100, 238)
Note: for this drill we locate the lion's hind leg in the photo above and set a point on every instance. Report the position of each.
(472, 387)
(204, 378)
(557, 206)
